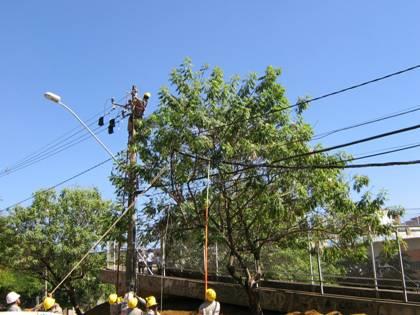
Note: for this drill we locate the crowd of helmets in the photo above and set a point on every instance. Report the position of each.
(129, 304)
(132, 304)
(48, 304)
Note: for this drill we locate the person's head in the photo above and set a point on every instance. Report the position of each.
(12, 298)
(132, 302)
(48, 303)
(112, 299)
(151, 302)
(210, 295)
(128, 296)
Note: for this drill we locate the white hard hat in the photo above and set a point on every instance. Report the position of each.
(12, 297)
(128, 296)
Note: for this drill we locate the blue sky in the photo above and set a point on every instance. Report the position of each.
(89, 51)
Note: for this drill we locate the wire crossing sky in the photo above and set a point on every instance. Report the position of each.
(90, 51)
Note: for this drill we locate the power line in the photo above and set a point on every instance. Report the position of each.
(59, 184)
(368, 122)
(325, 134)
(63, 138)
(334, 166)
(367, 139)
(51, 152)
(66, 136)
(325, 166)
(311, 100)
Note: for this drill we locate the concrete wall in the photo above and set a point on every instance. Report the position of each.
(275, 299)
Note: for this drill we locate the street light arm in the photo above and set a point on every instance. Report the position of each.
(88, 129)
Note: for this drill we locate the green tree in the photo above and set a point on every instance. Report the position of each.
(28, 286)
(51, 235)
(205, 121)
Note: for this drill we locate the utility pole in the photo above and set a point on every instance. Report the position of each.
(136, 106)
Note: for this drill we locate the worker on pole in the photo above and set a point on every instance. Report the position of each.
(137, 107)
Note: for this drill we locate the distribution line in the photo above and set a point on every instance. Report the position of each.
(59, 184)
(51, 152)
(368, 122)
(325, 134)
(66, 136)
(339, 146)
(47, 154)
(311, 100)
(302, 167)
(335, 166)
(367, 139)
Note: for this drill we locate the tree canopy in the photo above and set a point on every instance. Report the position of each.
(48, 237)
(207, 123)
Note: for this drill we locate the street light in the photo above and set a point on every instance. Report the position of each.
(57, 99)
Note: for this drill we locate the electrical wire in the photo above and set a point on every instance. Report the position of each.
(325, 134)
(368, 122)
(311, 100)
(58, 184)
(339, 146)
(66, 137)
(54, 151)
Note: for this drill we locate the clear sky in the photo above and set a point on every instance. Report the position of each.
(89, 51)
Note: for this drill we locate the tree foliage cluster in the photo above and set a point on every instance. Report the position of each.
(47, 238)
(207, 125)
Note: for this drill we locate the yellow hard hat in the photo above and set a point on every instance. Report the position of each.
(151, 301)
(147, 95)
(132, 302)
(120, 299)
(48, 303)
(112, 299)
(210, 295)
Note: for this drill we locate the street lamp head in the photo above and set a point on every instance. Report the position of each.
(52, 97)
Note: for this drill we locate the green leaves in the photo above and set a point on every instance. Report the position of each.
(55, 232)
(236, 124)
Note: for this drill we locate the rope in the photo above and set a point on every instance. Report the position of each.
(107, 231)
(163, 261)
(206, 234)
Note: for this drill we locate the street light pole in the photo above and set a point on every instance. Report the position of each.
(136, 107)
(57, 99)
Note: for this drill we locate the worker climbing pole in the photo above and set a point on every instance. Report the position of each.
(136, 108)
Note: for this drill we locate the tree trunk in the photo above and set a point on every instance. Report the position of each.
(73, 300)
(254, 300)
(249, 284)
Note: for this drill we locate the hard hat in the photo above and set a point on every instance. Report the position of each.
(128, 296)
(112, 299)
(120, 299)
(147, 95)
(151, 301)
(48, 303)
(210, 295)
(12, 297)
(132, 303)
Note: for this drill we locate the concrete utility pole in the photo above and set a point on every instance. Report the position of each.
(137, 107)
